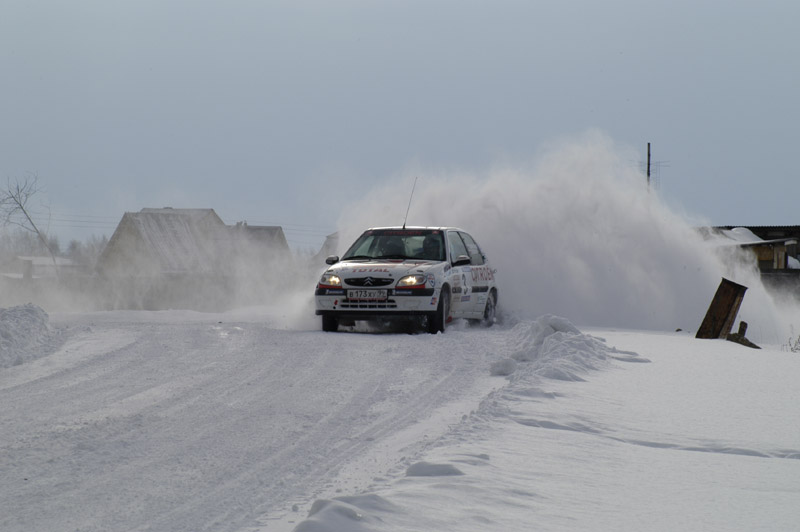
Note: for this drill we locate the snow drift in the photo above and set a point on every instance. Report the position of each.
(548, 348)
(25, 334)
(558, 448)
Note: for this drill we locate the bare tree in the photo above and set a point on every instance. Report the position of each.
(85, 253)
(15, 209)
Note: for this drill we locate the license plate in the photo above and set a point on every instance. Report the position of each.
(367, 295)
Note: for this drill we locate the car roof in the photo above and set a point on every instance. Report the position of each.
(414, 228)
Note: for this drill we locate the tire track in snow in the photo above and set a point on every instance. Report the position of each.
(206, 426)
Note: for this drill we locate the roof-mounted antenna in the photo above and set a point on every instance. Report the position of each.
(409, 201)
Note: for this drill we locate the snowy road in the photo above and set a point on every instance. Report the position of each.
(248, 422)
(202, 424)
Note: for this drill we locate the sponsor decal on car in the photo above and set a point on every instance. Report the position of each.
(482, 273)
(403, 232)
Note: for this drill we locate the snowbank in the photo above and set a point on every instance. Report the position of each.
(550, 348)
(577, 441)
(25, 334)
(558, 349)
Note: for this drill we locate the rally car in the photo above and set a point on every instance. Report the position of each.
(429, 274)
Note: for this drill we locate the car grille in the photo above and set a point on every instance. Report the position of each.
(369, 281)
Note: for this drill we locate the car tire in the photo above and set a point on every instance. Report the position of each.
(330, 324)
(438, 321)
(490, 311)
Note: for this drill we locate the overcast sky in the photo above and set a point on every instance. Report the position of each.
(277, 112)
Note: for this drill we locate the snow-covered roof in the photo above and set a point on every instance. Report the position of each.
(166, 240)
(184, 241)
(270, 236)
(762, 227)
(764, 232)
(744, 236)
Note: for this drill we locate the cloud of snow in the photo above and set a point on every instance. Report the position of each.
(577, 234)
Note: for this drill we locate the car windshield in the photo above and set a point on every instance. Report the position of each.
(414, 244)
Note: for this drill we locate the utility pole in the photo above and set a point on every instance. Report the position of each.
(653, 179)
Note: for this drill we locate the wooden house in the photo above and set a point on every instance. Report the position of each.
(184, 258)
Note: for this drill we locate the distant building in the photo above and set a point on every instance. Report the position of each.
(42, 267)
(328, 248)
(258, 244)
(185, 258)
(163, 242)
(775, 249)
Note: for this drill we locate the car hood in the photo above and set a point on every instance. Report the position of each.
(381, 268)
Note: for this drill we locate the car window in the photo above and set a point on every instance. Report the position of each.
(390, 246)
(398, 244)
(475, 255)
(428, 247)
(457, 246)
(362, 247)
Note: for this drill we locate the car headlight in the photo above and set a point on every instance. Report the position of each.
(330, 280)
(412, 281)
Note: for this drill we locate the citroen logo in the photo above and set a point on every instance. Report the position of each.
(369, 281)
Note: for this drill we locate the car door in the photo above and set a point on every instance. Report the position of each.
(482, 276)
(461, 277)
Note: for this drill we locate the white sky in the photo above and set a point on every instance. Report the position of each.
(278, 112)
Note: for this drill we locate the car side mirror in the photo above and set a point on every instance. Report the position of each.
(461, 260)
(332, 259)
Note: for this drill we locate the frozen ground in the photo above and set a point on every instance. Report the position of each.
(249, 421)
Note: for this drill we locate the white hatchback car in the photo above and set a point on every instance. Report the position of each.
(433, 273)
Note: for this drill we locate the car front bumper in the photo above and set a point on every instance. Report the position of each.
(397, 303)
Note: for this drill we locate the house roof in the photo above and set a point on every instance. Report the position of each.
(185, 241)
(763, 227)
(328, 247)
(174, 240)
(270, 236)
(767, 232)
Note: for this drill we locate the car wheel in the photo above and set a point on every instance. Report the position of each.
(490, 311)
(438, 322)
(330, 324)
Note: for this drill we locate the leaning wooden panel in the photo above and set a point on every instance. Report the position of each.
(722, 311)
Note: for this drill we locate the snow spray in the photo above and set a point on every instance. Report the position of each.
(578, 234)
